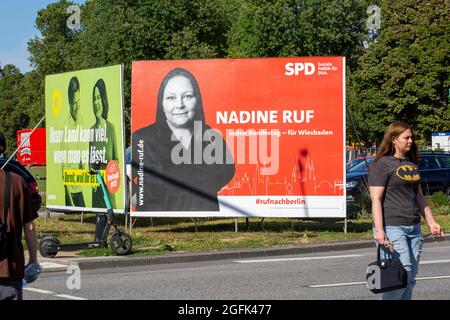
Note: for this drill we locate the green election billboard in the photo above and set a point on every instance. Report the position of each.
(84, 126)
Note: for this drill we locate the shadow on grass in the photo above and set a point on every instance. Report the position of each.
(64, 232)
(102, 252)
(88, 218)
(180, 225)
(140, 222)
(280, 225)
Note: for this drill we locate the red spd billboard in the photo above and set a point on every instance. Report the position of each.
(32, 151)
(239, 137)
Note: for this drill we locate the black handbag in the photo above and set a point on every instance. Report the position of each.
(385, 275)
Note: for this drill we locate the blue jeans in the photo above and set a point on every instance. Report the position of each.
(407, 242)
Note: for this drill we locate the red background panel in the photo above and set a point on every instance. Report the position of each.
(33, 151)
(308, 165)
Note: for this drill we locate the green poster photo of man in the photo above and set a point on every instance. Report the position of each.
(84, 129)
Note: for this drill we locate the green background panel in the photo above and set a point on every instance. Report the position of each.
(112, 77)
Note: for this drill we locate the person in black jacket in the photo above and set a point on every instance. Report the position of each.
(17, 213)
(179, 162)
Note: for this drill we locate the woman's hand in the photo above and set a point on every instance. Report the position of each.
(436, 229)
(380, 236)
(425, 210)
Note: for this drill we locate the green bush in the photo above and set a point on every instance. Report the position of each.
(442, 210)
(439, 199)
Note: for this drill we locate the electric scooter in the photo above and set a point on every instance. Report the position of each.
(120, 242)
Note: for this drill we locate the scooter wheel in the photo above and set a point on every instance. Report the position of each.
(121, 245)
(47, 246)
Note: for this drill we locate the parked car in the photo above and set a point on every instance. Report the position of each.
(356, 184)
(350, 164)
(16, 167)
(434, 169)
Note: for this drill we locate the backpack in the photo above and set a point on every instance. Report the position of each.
(3, 224)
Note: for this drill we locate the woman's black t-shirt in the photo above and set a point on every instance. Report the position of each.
(401, 179)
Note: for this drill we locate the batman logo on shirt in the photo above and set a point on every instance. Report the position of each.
(408, 173)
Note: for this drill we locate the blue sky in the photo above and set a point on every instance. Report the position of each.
(17, 20)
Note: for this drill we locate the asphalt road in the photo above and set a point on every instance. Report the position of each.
(322, 276)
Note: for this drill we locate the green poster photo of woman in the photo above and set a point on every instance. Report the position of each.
(84, 127)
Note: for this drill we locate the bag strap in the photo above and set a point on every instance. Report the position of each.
(379, 253)
(7, 195)
(384, 225)
(384, 195)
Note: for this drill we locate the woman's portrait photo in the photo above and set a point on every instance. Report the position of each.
(179, 162)
(104, 149)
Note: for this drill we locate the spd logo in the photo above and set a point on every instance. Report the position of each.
(296, 68)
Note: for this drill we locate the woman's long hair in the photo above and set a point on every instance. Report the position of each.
(388, 148)
(100, 84)
(160, 115)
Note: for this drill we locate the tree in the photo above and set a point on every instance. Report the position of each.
(405, 75)
(119, 32)
(11, 115)
(32, 98)
(52, 53)
(113, 32)
(298, 28)
(58, 50)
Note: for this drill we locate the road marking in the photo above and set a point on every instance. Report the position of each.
(66, 296)
(434, 261)
(428, 248)
(343, 284)
(299, 259)
(432, 278)
(38, 290)
(51, 266)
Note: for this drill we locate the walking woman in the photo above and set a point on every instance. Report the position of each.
(398, 203)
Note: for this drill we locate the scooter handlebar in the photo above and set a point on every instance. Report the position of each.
(95, 168)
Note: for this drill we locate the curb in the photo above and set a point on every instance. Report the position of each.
(133, 261)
